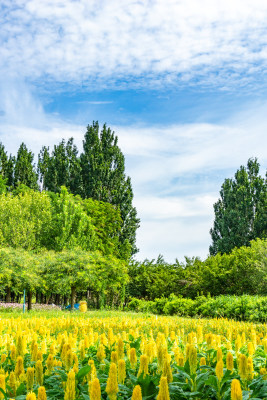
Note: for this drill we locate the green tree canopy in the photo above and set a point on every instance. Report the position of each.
(61, 168)
(24, 170)
(241, 211)
(104, 179)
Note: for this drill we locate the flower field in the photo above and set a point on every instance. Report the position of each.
(128, 356)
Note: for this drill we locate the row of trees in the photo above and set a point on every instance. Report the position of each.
(97, 173)
(61, 275)
(243, 270)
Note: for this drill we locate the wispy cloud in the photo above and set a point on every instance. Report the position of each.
(108, 42)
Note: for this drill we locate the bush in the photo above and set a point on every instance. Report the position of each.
(243, 308)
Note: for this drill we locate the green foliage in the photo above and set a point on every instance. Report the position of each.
(152, 279)
(61, 168)
(33, 221)
(24, 169)
(245, 308)
(244, 270)
(104, 179)
(25, 220)
(241, 211)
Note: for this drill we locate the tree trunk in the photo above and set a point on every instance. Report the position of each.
(73, 295)
(29, 300)
(8, 295)
(37, 297)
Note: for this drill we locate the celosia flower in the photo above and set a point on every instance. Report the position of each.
(236, 391)
(112, 383)
(137, 393)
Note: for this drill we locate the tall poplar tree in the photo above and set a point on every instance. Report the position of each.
(6, 166)
(241, 211)
(61, 168)
(24, 170)
(103, 174)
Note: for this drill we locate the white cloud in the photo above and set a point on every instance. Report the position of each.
(134, 42)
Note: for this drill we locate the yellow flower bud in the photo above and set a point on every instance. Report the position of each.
(49, 363)
(219, 370)
(229, 361)
(39, 373)
(163, 389)
(101, 353)
(31, 396)
(143, 369)
(41, 393)
(12, 384)
(236, 391)
(121, 371)
(120, 349)
(114, 357)
(167, 371)
(95, 390)
(30, 378)
(192, 359)
(133, 358)
(70, 386)
(112, 383)
(2, 385)
(202, 361)
(137, 393)
(19, 368)
(243, 366)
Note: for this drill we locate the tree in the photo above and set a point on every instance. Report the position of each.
(62, 168)
(24, 171)
(241, 211)
(104, 179)
(6, 167)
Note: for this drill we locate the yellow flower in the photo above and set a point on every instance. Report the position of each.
(31, 396)
(41, 393)
(120, 349)
(30, 378)
(163, 389)
(95, 390)
(101, 353)
(202, 361)
(20, 347)
(219, 370)
(243, 366)
(219, 354)
(70, 386)
(112, 383)
(133, 358)
(167, 371)
(250, 369)
(19, 369)
(143, 369)
(114, 357)
(2, 385)
(49, 363)
(121, 371)
(39, 373)
(192, 359)
(229, 361)
(92, 373)
(3, 358)
(236, 391)
(12, 384)
(137, 393)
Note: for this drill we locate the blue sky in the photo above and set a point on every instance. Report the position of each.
(182, 83)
